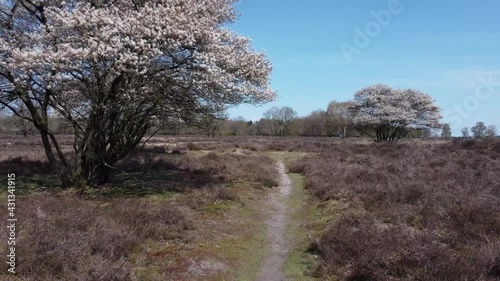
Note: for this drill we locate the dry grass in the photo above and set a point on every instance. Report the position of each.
(99, 235)
(232, 168)
(68, 238)
(409, 212)
(29, 148)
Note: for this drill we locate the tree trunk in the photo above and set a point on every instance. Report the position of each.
(103, 174)
(62, 171)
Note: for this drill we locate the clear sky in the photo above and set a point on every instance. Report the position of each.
(449, 49)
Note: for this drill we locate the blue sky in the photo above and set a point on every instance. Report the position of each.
(448, 49)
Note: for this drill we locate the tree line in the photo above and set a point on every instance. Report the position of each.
(336, 120)
(377, 111)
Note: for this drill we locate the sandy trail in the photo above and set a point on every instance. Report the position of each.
(273, 263)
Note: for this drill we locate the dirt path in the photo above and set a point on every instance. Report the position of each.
(273, 263)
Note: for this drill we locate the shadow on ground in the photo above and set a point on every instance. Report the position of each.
(139, 176)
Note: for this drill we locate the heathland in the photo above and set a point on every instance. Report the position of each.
(197, 208)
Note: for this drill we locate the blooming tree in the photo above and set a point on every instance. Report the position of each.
(113, 68)
(391, 114)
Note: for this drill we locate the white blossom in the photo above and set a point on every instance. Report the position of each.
(393, 113)
(120, 38)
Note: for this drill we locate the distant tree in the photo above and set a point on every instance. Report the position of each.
(213, 123)
(465, 132)
(286, 117)
(446, 131)
(423, 134)
(426, 133)
(416, 134)
(262, 127)
(20, 122)
(270, 121)
(236, 126)
(60, 125)
(4, 122)
(479, 130)
(250, 129)
(491, 131)
(392, 114)
(314, 124)
(339, 118)
(279, 120)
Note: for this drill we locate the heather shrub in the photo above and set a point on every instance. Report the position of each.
(360, 248)
(146, 163)
(68, 238)
(192, 146)
(414, 211)
(199, 198)
(228, 168)
(155, 149)
(297, 167)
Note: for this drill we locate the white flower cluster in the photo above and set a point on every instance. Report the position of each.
(382, 105)
(87, 44)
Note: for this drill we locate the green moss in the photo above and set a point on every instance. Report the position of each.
(248, 245)
(217, 208)
(249, 251)
(38, 183)
(300, 262)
